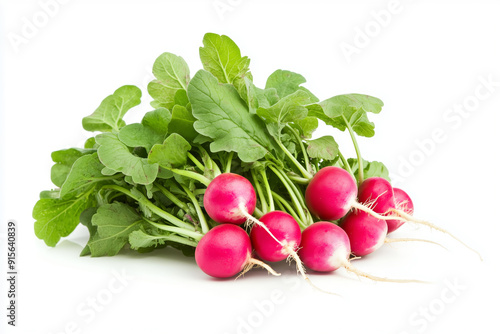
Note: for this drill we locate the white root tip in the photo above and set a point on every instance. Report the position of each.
(254, 262)
(391, 240)
(359, 273)
(410, 218)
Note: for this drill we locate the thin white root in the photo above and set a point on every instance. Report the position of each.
(359, 206)
(300, 269)
(252, 220)
(259, 263)
(422, 222)
(358, 272)
(391, 240)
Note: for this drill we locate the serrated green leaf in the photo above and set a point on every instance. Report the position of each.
(57, 218)
(370, 169)
(306, 126)
(172, 74)
(325, 148)
(222, 57)
(287, 82)
(223, 116)
(116, 156)
(352, 109)
(109, 115)
(183, 123)
(85, 173)
(172, 153)
(64, 159)
(114, 223)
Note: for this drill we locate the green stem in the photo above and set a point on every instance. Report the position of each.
(196, 162)
(302, 147)
(298, 179)
(257, 213)
(180, 240)
(262, 198)
(156, 210)
(173, 229)
(229, 161)
(346, 164)
(172, 197)
(356, 147)
(302, 170)
(201, 216)
(295, 201)
(288, 208)
(192, 175)
(268, 189)
(297, 192)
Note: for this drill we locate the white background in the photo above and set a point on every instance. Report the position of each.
(423, 60)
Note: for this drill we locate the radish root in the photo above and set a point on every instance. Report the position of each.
(391, 240)
(348, 266)
(254, 262)
(408, 217)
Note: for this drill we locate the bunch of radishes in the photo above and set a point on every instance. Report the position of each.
(218, 145)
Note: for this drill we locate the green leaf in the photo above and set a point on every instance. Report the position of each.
(183, 123)
(351, 109)
(325, 148)
(57, 218)
(64, 159)
(114, 223)
(109, 115)
(223, 116)
(140, 239)
(85, 173)
(287, 82)
(172, 153)
(370, 169)
(288, 109)
(116, 156)
(152, 130)
(221, 57)
(306, 126)
(172, 75)
(86, 220)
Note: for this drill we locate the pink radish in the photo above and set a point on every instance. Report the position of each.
(225, 251)
(277, 237)
(325, 247)
(367, 233)
(284, 228)
(332, 192)
(379, 195)
(403, 202)
(230, 198)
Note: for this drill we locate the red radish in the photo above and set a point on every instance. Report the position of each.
(366, 233)
(403, 202)
(229, 198)
(325, 247)
(332, 192)
(277, 237)
(378, 192)
(225, 251)
(284, 228)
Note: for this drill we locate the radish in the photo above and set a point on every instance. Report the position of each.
(332, 192)
(284, 228)
(278, 237)
(403, 202)
(230, 198)
(225, 251)
(379, 195)
(367, 233)
(325, 247)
